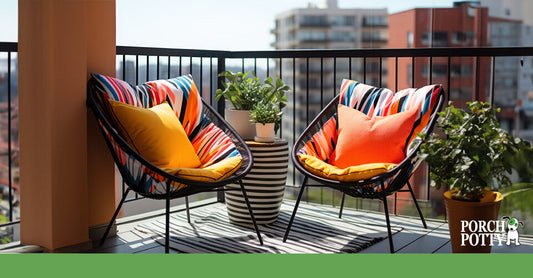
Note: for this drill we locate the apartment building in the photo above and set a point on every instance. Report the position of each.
(326, 27)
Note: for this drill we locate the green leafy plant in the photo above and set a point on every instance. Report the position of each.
(265, 112)
(242, 91)
(474, 154)
(249, 93)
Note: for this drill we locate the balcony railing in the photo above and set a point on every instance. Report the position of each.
(9, 188)
(312, 86)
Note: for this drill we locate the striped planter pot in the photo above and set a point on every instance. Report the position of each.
(265, 184)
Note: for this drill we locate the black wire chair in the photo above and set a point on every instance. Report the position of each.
(377, 187)
(152, 182)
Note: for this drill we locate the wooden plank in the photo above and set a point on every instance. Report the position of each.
(429, 242)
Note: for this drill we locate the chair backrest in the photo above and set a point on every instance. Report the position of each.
(372, 101)
(212, 139)
(182, 95)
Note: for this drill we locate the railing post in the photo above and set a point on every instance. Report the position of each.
(221, 104)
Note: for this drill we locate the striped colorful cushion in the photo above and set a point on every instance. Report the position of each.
(118, 90)
(374, 101)
(210, 143)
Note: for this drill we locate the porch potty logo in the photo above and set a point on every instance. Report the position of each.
(483, 233)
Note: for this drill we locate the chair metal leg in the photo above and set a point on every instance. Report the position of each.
(251, 212)
(302, 189)
(114, 216)
(342, 205)
(395, 203)
(416, 204)
(167, 220)
(391, 245)
(187, 207)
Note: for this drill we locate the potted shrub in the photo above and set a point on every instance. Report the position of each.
(473, 157)
(265, 115)
(244, 93)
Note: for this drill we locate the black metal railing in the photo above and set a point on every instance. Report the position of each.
(9, 188)
(314, 77)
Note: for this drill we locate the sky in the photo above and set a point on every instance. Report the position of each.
(205, 24)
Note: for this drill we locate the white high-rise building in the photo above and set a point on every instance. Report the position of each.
(326, 27)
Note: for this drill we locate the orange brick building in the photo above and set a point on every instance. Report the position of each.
(460, 26)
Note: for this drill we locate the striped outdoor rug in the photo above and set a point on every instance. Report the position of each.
(315, 230)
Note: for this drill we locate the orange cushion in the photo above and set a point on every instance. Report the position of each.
(156, 134)
(365, 140)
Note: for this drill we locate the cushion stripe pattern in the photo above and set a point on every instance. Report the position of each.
(118, 90)
(368, 99)
(323, 142)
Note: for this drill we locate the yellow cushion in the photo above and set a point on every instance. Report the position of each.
(156, 134)
(350, 174)
(213, 172)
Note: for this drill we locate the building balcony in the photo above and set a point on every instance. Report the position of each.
(139, 64)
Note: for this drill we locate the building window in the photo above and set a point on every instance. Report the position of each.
(460, 37)
(372, 67)
(437, 70)
(350, 20)
(312, 36)
(373, 36)
(314, 67)
(339, 20)
(343, 36)
(410, 39)
(439, 38)
(375, 21)
(464, 70)
(313, 20)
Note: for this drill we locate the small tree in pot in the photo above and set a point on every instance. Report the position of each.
(473, 157)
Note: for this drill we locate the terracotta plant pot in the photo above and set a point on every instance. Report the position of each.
(485, 210)
(265, 132)
(240, 121)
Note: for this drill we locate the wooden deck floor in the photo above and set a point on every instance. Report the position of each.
(412, 239)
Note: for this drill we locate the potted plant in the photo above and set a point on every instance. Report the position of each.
(246, 92)
(242, 92)
(473, 157)
(265, 115)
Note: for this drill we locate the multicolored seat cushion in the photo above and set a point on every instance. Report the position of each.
(209, 142)
(373, 101)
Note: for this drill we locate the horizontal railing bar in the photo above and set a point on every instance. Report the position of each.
(322, 53)
(9, 223)
(154, 51)
(334, 53)
(8, 46)
(386, 52)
